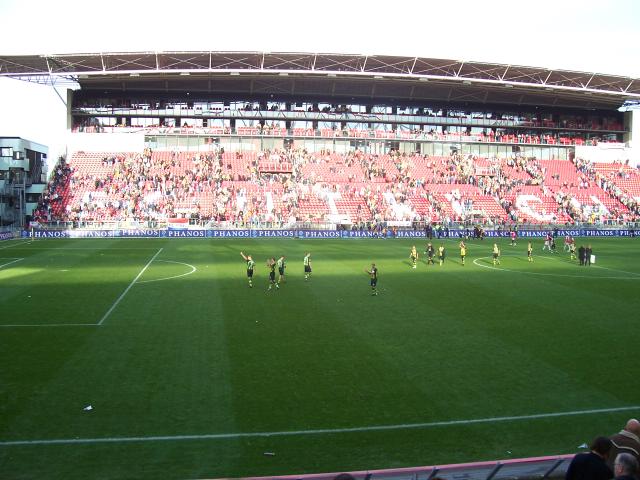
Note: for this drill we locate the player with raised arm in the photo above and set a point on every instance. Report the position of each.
(373, 275)
(271, 264)
(307, 266)
(413, 255)
(281, 267)
(250, 265)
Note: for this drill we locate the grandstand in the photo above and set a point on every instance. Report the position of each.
(275, 139)
(308, 143)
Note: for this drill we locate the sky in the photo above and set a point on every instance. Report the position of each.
(587, 35)
(584, 35)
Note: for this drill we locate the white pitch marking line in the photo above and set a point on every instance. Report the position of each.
(51, 325)
(15, 244)
(501, 269)
(91, 248)
(321, 431)
(614, 270)
(193, 269)
(115, 304)
(15, 260)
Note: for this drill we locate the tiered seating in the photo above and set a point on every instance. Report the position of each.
(623, 176)
(490, 206)
(278, 185)
(332, 169)
(560, 172)
(355, 208)
(423, 207)
(540, 207)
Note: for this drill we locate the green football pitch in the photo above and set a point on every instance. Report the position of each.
(192, 374)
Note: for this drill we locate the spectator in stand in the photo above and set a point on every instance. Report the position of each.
(626, 440)
(592, 465)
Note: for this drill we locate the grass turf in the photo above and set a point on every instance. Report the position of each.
(203, 354)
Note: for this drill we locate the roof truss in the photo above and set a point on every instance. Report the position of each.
(390, 67)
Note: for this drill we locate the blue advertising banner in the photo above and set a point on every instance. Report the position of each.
(188, 233)
(319, 234)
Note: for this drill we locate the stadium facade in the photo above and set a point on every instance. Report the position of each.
(256, 102)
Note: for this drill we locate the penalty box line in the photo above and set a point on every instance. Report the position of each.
(19, 241)
(291, 433)
(13, 260)
(119, 299)
(105, 316)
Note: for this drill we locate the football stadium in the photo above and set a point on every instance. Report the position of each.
(296, 265)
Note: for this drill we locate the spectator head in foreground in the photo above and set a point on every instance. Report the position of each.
(626, 440)
(601, 446)
(625, 466)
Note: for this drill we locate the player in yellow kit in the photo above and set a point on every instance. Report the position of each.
(413, 255)
(463, 251)
(496, 254)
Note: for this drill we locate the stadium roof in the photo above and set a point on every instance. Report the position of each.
(332, 76)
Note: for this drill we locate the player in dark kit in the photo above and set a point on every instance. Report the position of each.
(581, 254)
(373, 274)
(271, 263)
(250, 265)
(430, 253)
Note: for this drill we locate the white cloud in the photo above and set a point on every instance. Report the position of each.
(579, 35)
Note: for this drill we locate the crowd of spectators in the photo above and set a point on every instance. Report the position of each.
(613, 182)
(616, 457)
(279, 187)
(451, 134)
(606, 458)
(52, 201)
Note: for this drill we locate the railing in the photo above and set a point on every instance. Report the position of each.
(352, 134)
(373, 117)
(451, 229)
